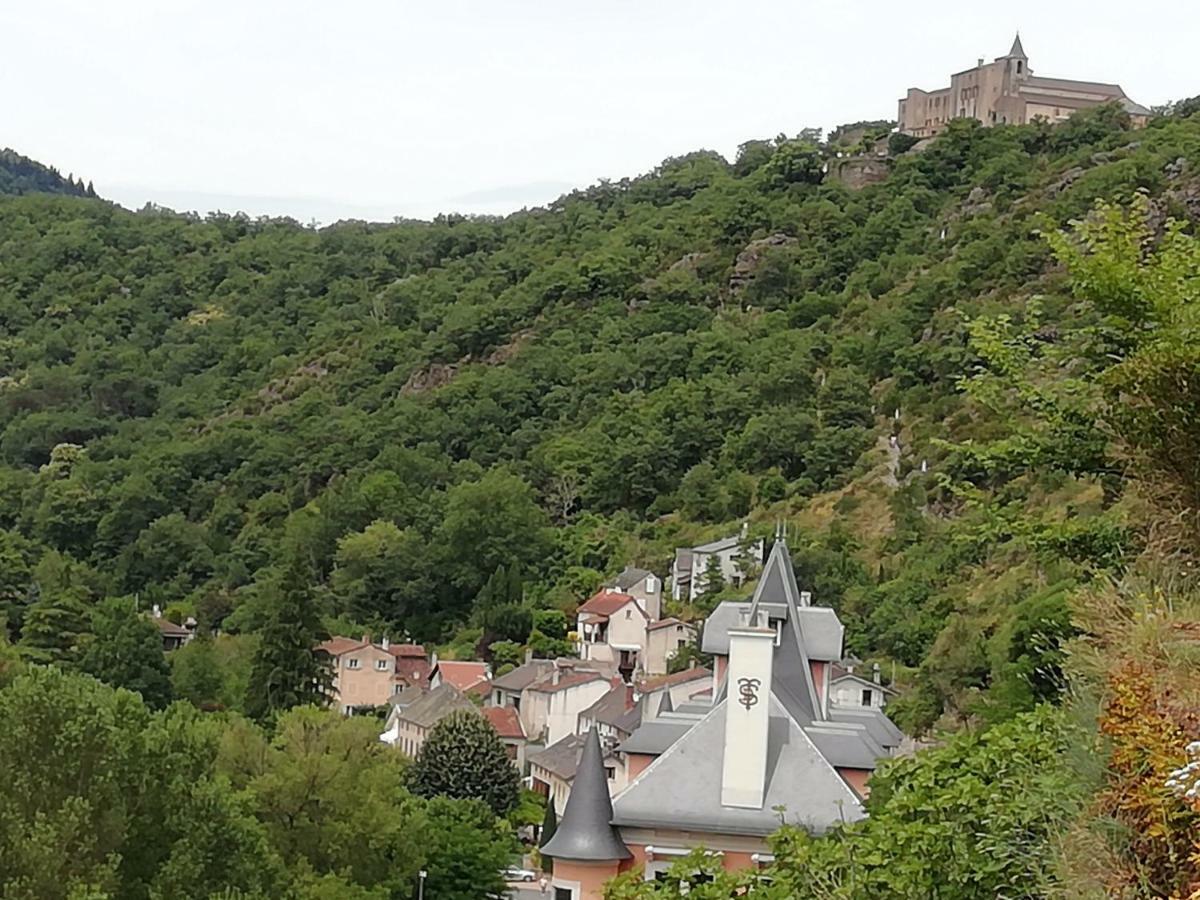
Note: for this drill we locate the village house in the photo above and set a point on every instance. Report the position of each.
(511, 732)
(410, 721)
(550, 706)
(367, 675)
(1005, 91)
(688, 573)
(552, 770)
(469, 676)
(173, 634)
(644, 586)
(849, 690)
(613, 627)
(770, 747)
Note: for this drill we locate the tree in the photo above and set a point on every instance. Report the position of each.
(382, 573)
(467, 847)
(125, 650)
(712, 582)
(331, 796)
(700, 497)
(488, 523)
(54, 624)
(549, 826)
(286, 670)
(463, 758)
(196, 674)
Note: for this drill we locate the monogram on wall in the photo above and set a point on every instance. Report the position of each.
(748, 691)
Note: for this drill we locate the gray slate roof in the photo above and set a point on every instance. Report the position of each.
(585, 832)
(655, 737)
(610, 708)
(882, 729)
(630, 577)
(682, 788)
(561, 759)
(820, 625)
(523, 675)
(428, 710)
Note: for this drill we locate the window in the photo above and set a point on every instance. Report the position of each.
(610, 772)
(381, 665)
(352, 663)
(867, 695)
(561, 893)
(1018, 67)
(629, 613)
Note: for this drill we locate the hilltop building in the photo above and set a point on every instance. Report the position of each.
(1005, 91)
(770, 745)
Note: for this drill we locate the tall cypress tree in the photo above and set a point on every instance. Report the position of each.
(286, 670)
(549, 826)
(53, 626)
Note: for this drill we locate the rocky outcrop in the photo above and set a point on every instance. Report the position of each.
(856, 172)
(751, 257)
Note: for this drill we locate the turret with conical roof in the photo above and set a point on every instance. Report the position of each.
(1017, 51)
(586, 833)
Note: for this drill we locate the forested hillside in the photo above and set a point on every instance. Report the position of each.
(457, 429)
(22, 175)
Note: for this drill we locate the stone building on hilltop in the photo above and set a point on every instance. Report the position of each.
(1005, 91)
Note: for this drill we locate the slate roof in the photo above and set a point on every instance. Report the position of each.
(433, 705)
(653, 738)
(823, 631)
(882, 729)
(561, 759)
(523, 675)
(585, 832)
(629, 577)
(611, 707)
(682, 788)
(406, 697)
(1017, 49)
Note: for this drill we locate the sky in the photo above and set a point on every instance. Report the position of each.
(372, 109)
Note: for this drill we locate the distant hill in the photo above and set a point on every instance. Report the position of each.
(22, 175)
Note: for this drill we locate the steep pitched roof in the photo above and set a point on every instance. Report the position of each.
(606, 602)
(682, 788)
(505, 720)
(1017, 50)
(823, 631)
(653, 738)
(586, 832)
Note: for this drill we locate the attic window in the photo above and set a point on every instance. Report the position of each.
(867, 696)
(629, 613)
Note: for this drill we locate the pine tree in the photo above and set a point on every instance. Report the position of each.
(549, 826)
(53, 626)
(463, 758)
(713, 583)
(286, 670)
(125, 650)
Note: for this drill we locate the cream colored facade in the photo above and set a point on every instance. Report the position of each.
(362, 677)
(1005, 91)
(663, 640)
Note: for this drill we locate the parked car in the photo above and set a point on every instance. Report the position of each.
(516, 873)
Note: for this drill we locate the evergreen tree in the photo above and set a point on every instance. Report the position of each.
(286, 670)
(53, 626)
(125, 650)
(713, 581)
(549, 826)
(463, 758)
(196, 673)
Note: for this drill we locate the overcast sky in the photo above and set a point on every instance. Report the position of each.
(374, 109)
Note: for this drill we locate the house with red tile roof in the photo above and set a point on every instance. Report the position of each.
(614, 627)
(469, 676)
(507, 723)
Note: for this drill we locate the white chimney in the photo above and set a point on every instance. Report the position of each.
(747, 714)
(156, 611)
(384, 644)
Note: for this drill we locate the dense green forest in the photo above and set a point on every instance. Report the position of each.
(22, 175)
(457, 429)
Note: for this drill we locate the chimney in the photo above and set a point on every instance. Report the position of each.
(875, 674)
(555, 676)
(366, 638)
(747, 712)
(156, 611)
(528, 655)
(980, 63)
(384, 644)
